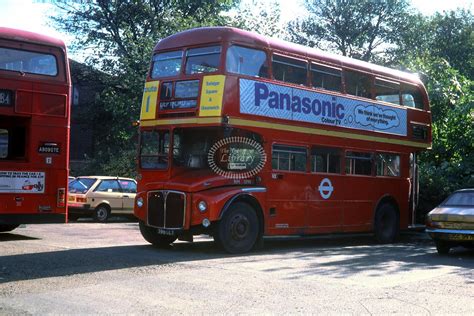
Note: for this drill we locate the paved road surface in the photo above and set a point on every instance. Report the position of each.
(89, 268)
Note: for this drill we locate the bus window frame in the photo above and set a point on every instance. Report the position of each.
(389, 82)
(365, 73)
(357, 150)
(340, 151)
(220, 66)
(282, 143)
(289, 56)
(321, 64)
(59, 54)
(268, 61)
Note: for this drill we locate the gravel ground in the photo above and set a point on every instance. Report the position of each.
(91, 268)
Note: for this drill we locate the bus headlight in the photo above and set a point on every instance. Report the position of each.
(202, 206)
(140, 202)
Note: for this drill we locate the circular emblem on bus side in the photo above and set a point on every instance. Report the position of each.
(325, 188)
(236, 157)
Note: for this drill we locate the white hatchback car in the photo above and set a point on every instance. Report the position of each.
(100, 197)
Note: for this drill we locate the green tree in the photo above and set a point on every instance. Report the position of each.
(449, 165)
(449, 35)
(259, 16)
(118, 38)
(363, 29)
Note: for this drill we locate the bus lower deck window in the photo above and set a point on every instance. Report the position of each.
(288, 158)
(358, 163)
(388, 165)
(325, 160)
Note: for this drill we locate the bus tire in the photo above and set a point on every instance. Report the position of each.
(386, 225)
(442, 247)
(238, 230)
(151, 235)
(102, 213)
(7, 228)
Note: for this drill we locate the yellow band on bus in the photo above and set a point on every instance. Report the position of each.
(150, 95)
(212, 92)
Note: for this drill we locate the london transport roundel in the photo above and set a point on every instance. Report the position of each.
(325, 188)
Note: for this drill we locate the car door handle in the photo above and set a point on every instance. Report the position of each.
(125, 196)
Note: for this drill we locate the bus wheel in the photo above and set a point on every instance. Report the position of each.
(237, 231)
(7, 228)
(386, 225)
(442, 247)
(102, 213)
(151, 235)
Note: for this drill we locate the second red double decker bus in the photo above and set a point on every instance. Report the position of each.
(243, 136)
(34, 129)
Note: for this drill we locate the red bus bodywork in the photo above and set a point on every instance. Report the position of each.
(34, 127)
(287, 202)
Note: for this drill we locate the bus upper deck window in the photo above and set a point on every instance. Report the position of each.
(247, 61)
(387, 91)
(289, 69)
(411, 96)
(28, 62)
(203, 59)
(326, 77)
(166, 64)
(358, 83)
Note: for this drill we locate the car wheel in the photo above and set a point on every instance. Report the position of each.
(151, 235)
(7, 228)
(102, 213)
(238, 229)
(442, 247)
(386, 225)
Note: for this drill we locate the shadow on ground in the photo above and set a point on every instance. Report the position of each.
(339, 256)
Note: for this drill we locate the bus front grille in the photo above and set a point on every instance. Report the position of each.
(166, 209)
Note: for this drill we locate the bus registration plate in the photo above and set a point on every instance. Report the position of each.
(166, 232)
(5, 97)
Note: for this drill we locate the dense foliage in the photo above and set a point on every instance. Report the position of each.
(118, 37)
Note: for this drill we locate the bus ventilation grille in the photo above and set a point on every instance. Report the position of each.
(166, 209)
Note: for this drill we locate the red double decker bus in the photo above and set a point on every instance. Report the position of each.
(34, 128)
(243, 136)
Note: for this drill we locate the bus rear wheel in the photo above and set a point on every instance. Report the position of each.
(238, 229)
(151, 235)
(7, 228)
(386, 225)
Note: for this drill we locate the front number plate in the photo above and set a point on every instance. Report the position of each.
(165, 232)
(5, 97)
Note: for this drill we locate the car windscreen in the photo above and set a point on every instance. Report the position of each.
(81, 185)
(460, 199)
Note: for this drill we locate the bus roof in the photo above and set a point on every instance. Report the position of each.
(205, 35)
(30, 37)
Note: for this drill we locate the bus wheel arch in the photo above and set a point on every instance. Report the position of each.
(386, 220)
(240, 225)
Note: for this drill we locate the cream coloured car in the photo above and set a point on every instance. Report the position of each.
(100, 197)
